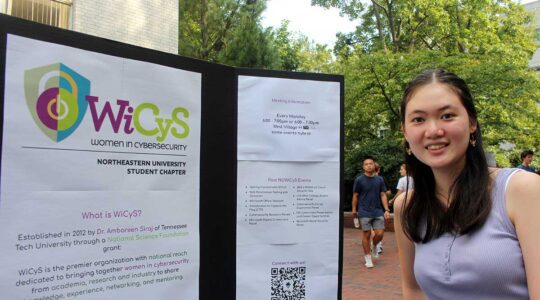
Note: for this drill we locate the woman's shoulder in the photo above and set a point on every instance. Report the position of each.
(524, 183)
(516, 180)
(522, 192)
(402, 199)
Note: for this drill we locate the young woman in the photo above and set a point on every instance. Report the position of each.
(466, 231)
(404, 183)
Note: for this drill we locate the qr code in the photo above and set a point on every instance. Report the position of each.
(288, 283)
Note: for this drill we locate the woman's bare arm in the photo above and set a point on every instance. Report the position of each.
(410, 287)
(523, 206)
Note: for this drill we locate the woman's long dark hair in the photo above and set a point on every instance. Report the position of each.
(423, 216)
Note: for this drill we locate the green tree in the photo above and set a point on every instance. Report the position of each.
(315, 57)
(230, 32)
(287, 46)
(487, 42)
(298, 53)
(204, 26)
(226, 31)
(504, 95)
(464, 26)
(249, 45)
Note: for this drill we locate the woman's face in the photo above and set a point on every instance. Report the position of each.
(402, 171)
(437, 127)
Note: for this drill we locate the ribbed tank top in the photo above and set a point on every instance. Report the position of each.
(485, 264)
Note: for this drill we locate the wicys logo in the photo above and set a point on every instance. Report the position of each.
(56, 98)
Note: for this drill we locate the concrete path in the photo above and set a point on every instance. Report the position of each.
(381, 282)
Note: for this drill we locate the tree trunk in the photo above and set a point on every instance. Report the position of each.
(461, 47)
(379, 26)
(392, 25)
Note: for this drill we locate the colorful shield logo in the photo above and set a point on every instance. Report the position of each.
(56, 98)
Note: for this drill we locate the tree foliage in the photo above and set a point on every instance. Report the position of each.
(298, 53)
(249, 44)
(226, 31)
(504, 95)
(486, 42)
(230, 32)
(288, 47)
(450, 26)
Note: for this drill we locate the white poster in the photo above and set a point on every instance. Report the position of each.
(285, 203)
(99, 190)
(297, 271)
(288, 189)
(288, 119)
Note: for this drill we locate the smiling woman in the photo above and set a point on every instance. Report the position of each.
(438, 131)
(466, 231)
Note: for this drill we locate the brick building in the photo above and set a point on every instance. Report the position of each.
(150, 24)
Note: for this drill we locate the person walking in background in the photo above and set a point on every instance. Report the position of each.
(466, 231)
(370, 203)
(526, 160)
(405, 183)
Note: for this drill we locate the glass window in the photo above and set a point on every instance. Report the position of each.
(50, 12)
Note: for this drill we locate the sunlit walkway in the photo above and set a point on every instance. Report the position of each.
(381, 282)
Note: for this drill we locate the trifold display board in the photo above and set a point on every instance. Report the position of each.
(128, 173)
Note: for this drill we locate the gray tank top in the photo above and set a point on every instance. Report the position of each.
(485, 264)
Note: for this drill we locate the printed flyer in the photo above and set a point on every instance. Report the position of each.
(99, 195)
(288, 119)
(288, 189)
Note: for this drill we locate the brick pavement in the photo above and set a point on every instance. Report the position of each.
(381, 282)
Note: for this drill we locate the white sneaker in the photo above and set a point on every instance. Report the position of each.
(379, 248)
(369, 263)
(374, 253)
(356, 223)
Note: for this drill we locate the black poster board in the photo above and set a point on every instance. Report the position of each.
(218, 157)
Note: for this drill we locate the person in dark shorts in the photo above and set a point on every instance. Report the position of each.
(371, 204)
